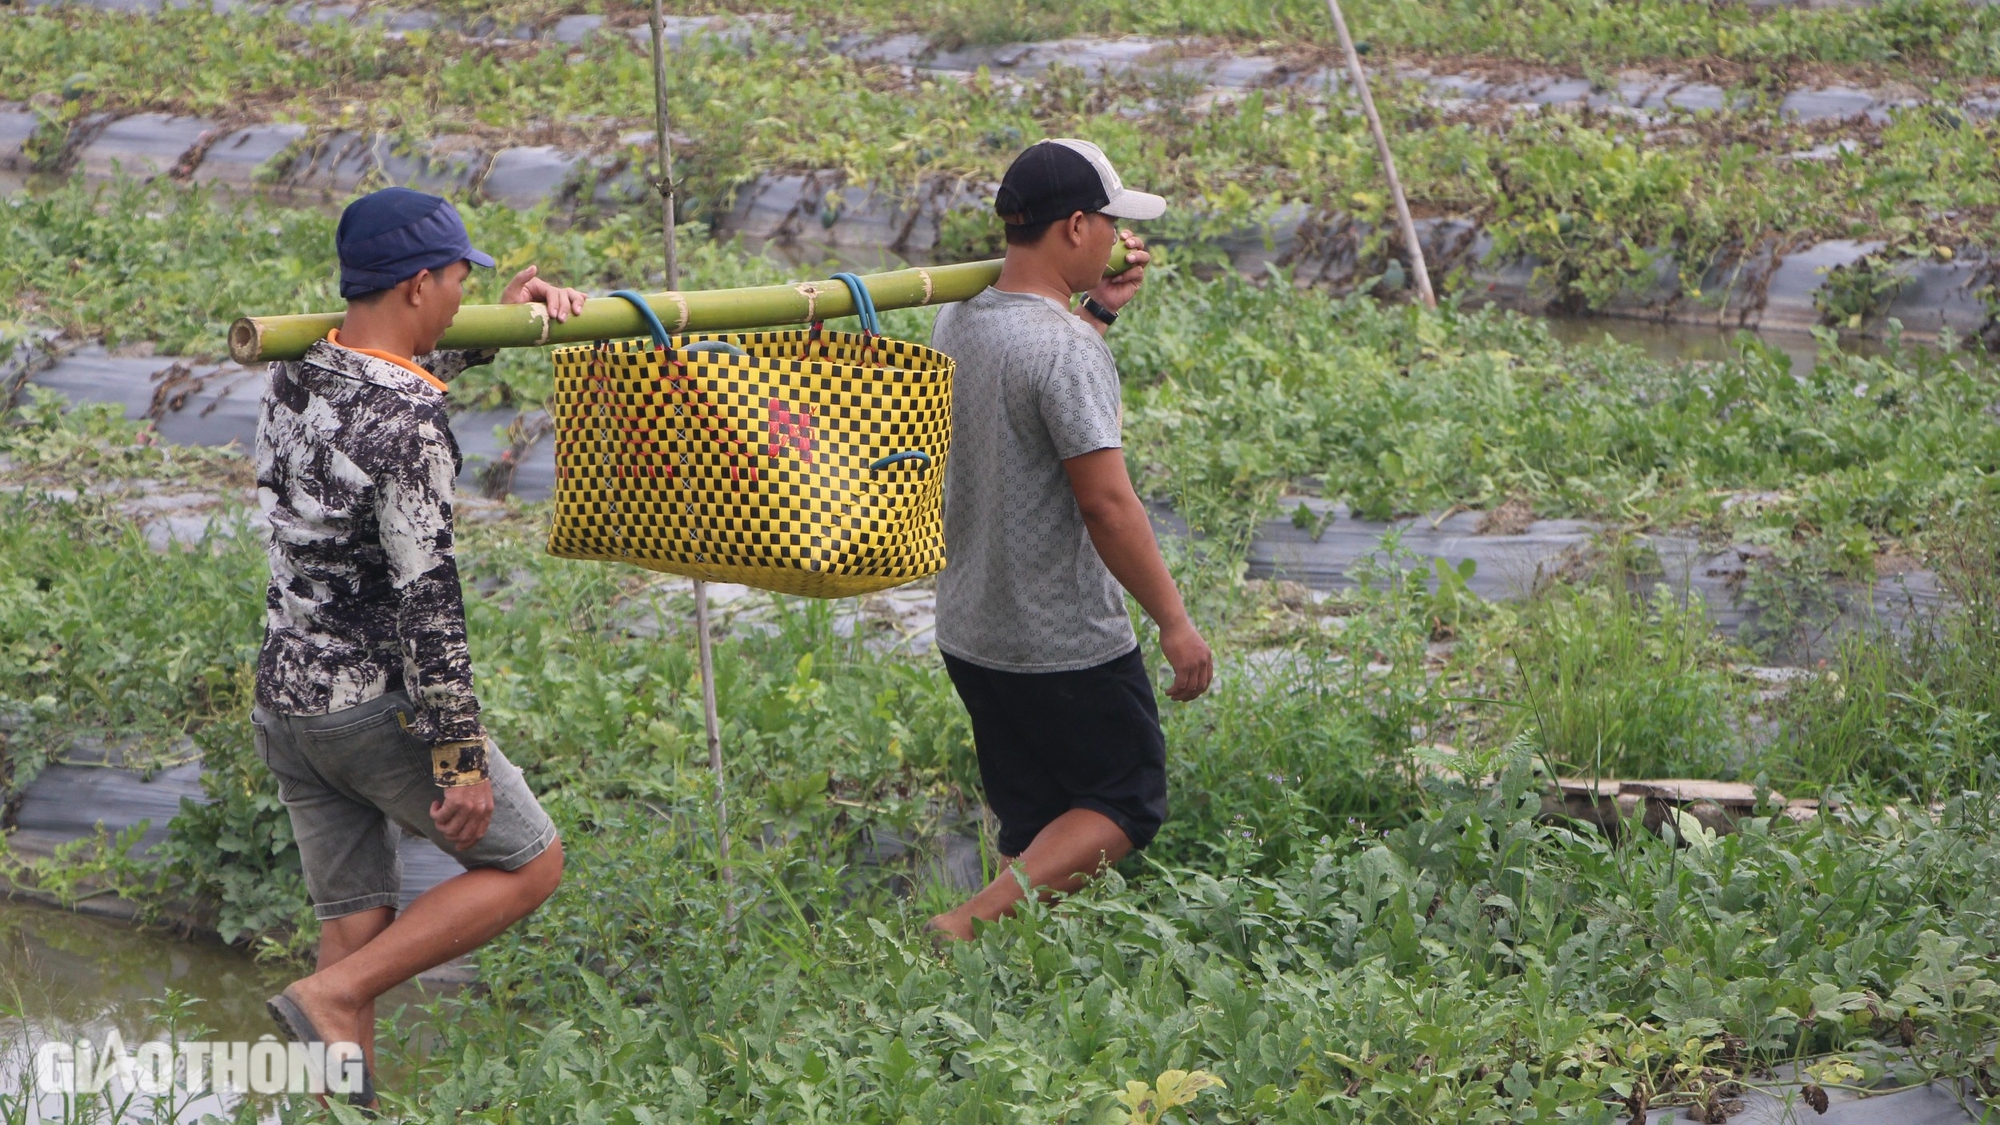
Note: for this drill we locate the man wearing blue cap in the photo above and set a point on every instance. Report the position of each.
(365, 706)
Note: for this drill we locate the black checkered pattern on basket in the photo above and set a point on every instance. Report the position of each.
(757, 468)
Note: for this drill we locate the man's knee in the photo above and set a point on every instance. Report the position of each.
(541, 875)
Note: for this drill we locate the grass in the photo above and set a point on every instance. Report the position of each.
(1616, 684)
(1916, 708)
(1467, 966)
(1398, 412)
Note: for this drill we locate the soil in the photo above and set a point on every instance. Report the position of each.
(1512, 517)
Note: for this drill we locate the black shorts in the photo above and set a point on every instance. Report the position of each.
(1049, 742)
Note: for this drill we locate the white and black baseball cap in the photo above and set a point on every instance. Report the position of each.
(1054, 179)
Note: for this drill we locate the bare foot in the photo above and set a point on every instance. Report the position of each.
(949, 927)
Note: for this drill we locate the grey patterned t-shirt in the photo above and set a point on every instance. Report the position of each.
(1023, 588)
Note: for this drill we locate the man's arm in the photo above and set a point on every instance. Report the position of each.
(413, 517)
(1123, 536)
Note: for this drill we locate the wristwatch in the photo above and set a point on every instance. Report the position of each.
(1103, 314)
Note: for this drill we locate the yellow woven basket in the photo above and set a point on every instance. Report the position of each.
(811, 464)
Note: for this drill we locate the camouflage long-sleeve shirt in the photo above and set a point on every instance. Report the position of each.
(355, 464)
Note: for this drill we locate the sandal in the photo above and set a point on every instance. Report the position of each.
(298, 1027)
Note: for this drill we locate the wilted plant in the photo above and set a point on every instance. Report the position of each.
(1147, 1104)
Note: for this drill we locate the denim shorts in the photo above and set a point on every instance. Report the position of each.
(354, 780)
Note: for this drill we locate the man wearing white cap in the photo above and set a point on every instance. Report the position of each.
(1045, 535)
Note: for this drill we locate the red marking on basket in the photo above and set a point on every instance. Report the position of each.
(790, 429)
(815, 336)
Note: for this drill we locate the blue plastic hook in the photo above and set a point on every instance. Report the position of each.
(864, 304)
(895, 459)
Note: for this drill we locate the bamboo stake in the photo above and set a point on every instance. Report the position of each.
(664, 147)
(704, 640)
(1409, 226)
(255, 339)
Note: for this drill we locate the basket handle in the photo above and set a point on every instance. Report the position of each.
(895, 459)
(864, 304)
(660, 338)
(652, 319)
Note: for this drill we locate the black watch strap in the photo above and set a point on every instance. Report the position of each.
(1103, 314)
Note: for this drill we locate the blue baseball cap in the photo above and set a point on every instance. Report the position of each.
(387, 237)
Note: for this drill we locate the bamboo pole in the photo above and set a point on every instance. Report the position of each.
(1409, 226)
(255, 339)
(704, 640)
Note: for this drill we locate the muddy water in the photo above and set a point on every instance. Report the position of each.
(69, 970)
(64, 977)
(1674, 342)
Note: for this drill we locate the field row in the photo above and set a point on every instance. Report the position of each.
(1760, 37)
(1765, 214)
